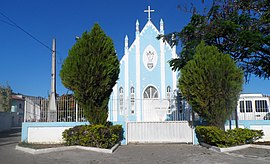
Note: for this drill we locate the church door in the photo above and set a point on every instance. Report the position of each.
(149, 104)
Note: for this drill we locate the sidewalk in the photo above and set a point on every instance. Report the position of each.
(130, 154)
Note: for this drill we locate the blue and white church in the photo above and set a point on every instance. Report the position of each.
(145, 90)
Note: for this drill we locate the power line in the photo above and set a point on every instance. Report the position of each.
(7, 23)
(14, 24)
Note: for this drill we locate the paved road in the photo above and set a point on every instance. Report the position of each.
(131, 154)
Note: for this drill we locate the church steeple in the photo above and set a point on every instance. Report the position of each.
(161, 27)
(137, 28)
(126, 44)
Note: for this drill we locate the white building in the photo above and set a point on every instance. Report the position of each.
(253, 107)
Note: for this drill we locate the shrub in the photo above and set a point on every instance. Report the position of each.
(211, 135)
(217, 137)
(94, 135)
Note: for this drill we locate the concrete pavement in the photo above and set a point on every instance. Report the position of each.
(130, 154)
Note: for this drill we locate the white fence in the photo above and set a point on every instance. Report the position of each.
(149, 110)
(159, 132)
(68, 110)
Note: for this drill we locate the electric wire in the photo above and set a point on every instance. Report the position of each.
(14, 24)
(7, 23)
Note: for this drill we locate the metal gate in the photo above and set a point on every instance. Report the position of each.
(159, 132)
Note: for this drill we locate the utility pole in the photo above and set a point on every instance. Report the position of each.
(52, 112)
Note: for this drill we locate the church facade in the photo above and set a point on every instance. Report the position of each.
(145, 90)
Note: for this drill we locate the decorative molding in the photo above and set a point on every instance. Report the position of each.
(150, 57)
(154, 86)
(138, 80)
(162, 69)
(126, 88)
(149, 24)
(115, 105)
(161, 27)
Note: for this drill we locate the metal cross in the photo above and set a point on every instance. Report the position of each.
(149, 11)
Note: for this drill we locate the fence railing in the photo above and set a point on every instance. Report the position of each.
(68, 110)
(149, 110)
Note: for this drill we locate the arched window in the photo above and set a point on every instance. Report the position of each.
(132, 100)
(121, 100)
(168, 89)
(168, 92)
(150, 93)
(132, 90)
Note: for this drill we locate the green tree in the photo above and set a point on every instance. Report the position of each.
(5, 98)
(239, 28)
(211, 82)
(90, 71)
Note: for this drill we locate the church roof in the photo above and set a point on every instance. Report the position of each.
(140, 33)
(148, 25)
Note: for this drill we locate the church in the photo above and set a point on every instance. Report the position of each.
(146, 90)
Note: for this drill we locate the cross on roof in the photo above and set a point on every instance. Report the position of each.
(149, 12)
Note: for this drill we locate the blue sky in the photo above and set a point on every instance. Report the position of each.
(26, 64)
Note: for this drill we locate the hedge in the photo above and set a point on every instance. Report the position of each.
(217, 137)
(100, 136)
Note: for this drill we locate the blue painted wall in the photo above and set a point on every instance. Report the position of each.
(147, 36)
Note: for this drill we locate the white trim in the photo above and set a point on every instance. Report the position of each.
(161, 27)
(138, 79)
(132, 100)
(162, 69)
(126, 45)
(114, 109)
(151, 85)
(126, 90)
(149, 24)
(121, 101)
(146, 60)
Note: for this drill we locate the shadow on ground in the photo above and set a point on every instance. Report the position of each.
(13, 132)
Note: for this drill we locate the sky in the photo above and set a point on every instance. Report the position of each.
(26, 63)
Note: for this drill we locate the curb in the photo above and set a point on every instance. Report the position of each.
(49, 150)
(229, 149)
(260, 146)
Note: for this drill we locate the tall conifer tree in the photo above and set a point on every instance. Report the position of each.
(90, 71)
(211, 83)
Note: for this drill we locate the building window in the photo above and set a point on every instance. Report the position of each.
(261, 106)
(248, 106)
(168, 92)
(121, 100)
(132, 100)
(150, 92)
(20, 106)
(242, 108)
